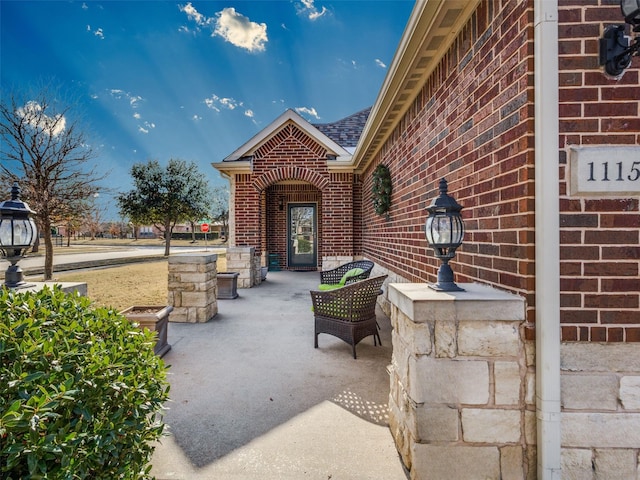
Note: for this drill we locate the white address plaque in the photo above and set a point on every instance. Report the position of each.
(611, 171)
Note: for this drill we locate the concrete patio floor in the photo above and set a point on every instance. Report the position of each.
(252, 399)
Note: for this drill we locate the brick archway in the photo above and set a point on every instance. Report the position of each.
(290, 173)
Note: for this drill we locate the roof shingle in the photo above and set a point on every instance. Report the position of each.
(346, 132)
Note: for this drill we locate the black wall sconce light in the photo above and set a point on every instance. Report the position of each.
(280, 203)
(17, 234)
(444, 231)
(616, 49)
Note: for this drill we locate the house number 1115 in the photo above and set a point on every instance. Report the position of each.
(604, 171)
(618, 172)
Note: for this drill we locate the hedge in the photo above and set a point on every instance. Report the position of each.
(81, 391)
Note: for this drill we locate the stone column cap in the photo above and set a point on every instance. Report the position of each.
(195, 257)
(477, 302)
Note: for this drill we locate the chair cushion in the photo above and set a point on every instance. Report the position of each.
(324, 287)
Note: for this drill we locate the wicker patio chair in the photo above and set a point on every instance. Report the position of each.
(338, 275)
(349, 312)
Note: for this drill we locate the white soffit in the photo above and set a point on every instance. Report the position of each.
(430, 31)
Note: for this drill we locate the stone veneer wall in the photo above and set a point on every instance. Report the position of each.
(461, 400)
(193, 287)
(330, 262)
(600, 410)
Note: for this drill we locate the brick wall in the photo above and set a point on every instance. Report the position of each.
(472, 123)
(600, 281)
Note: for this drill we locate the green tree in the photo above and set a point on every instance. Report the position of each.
(44, 149)
(165, 196)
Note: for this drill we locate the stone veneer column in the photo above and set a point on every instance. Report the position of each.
(241, 260)
(193, 287)
(600, 410)
(458, 383)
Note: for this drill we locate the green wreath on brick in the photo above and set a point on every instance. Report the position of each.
(381, 189)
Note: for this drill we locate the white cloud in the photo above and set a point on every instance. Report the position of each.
(196, 118)
(193, 14)
(308, 111)
(146, 127)
(134, 102)
(33, 115)
(308, 8)
(98, 33)
(380, 63)
(211, 103)
(232, 26)
(248, 113)
(120, 94)
(238, 30)
(214, 102)
(229, 103)
(84, 6)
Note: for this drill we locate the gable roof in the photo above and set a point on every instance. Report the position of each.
(289, 115)
(346, 132)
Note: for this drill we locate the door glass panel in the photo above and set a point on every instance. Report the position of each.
(302, 235)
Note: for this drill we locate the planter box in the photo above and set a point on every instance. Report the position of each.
(156, 319)
(228, 285)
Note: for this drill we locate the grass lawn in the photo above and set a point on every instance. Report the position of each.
(133, 284)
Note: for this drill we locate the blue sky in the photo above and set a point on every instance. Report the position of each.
(195, 80)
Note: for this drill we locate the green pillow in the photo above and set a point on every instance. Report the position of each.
(354, 272)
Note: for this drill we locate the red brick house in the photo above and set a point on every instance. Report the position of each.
(294, 191)
(508, 102)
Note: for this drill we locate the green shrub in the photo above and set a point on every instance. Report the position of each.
(80, 390)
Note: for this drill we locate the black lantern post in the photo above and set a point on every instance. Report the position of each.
(17, 234)
(444, 230)
(616, 48)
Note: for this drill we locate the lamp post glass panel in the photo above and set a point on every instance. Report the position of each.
(444, 231)
(17, 234)
(631, 11)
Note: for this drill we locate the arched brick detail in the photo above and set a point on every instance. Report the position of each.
(290, 173)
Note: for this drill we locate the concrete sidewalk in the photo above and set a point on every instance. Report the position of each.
(252, 399)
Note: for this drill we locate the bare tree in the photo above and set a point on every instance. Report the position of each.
(45, 150)
(93, 217)
(220, 208)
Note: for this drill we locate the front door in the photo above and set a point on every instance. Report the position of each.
(302, 248)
